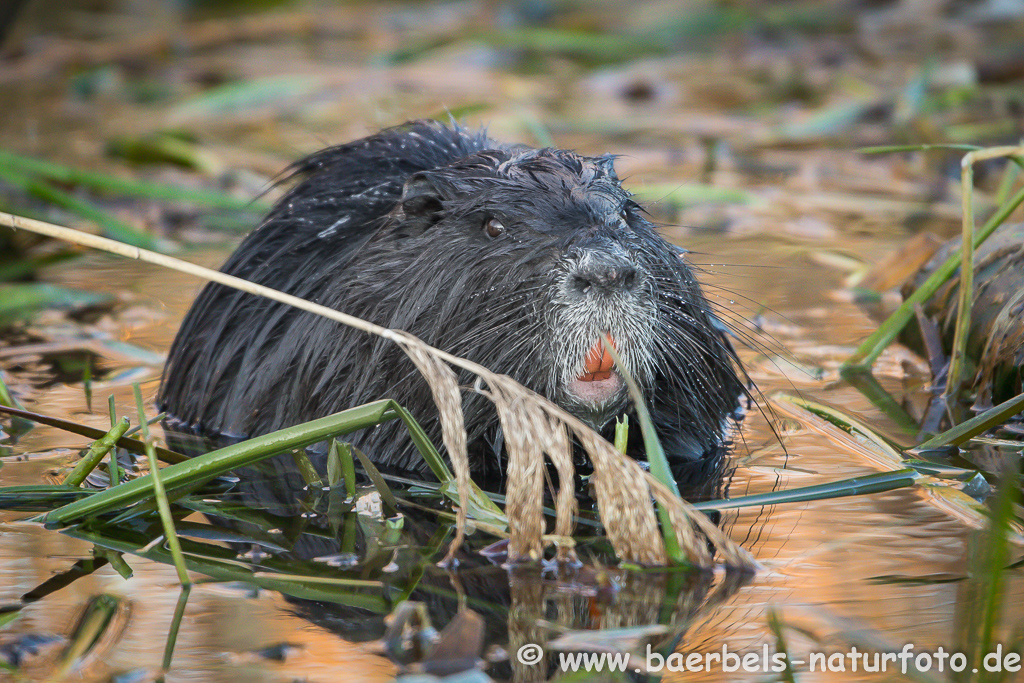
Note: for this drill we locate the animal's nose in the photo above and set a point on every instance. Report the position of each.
(605, 274)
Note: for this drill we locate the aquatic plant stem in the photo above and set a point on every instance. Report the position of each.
(161, 496)
(130, 445)
(172, 634)
(872, 347)
(196, 471)
(343, 452)
(655, 455)
(997, 551)
(112, 467)
(976, 425)
(99, 448)
(958, 356)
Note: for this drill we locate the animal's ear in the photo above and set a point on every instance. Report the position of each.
(607, 164)
(421, 203)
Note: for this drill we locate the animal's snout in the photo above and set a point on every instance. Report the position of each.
(603, 274)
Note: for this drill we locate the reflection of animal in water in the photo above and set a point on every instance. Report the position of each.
(513, 604)
(519, 259)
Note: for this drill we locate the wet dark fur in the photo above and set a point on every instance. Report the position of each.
(390, 229)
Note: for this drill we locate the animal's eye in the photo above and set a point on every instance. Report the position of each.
(494, 228)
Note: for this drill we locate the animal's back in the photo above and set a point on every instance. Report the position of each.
(302, 245)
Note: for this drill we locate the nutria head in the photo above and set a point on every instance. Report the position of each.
(528, 258)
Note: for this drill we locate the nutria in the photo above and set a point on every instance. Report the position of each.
(520, 259)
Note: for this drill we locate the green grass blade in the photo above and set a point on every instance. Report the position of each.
(7, 616)
(683, 195)
(480, 507)
(656, 459)
(621, 433)
(25, 267)
(386, 497)
(112, 466)
(778, 629)
(202, 468)
(329, 580)
(116, 560)
(131, 188)
(111, 226)
(854, 486)
(880, 398)
(342, 452)
(39, 497)
(423, 444)
(1008, 180)
(166, 519)
(21, 300)
(307, 471)
(886, 453)
(88, 632)
(6, 397)
(998, 553)
(976, 425)
(238, 98)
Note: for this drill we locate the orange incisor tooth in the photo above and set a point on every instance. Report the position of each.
(598, 364)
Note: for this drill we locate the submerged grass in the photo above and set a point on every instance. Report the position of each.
(222, 564)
